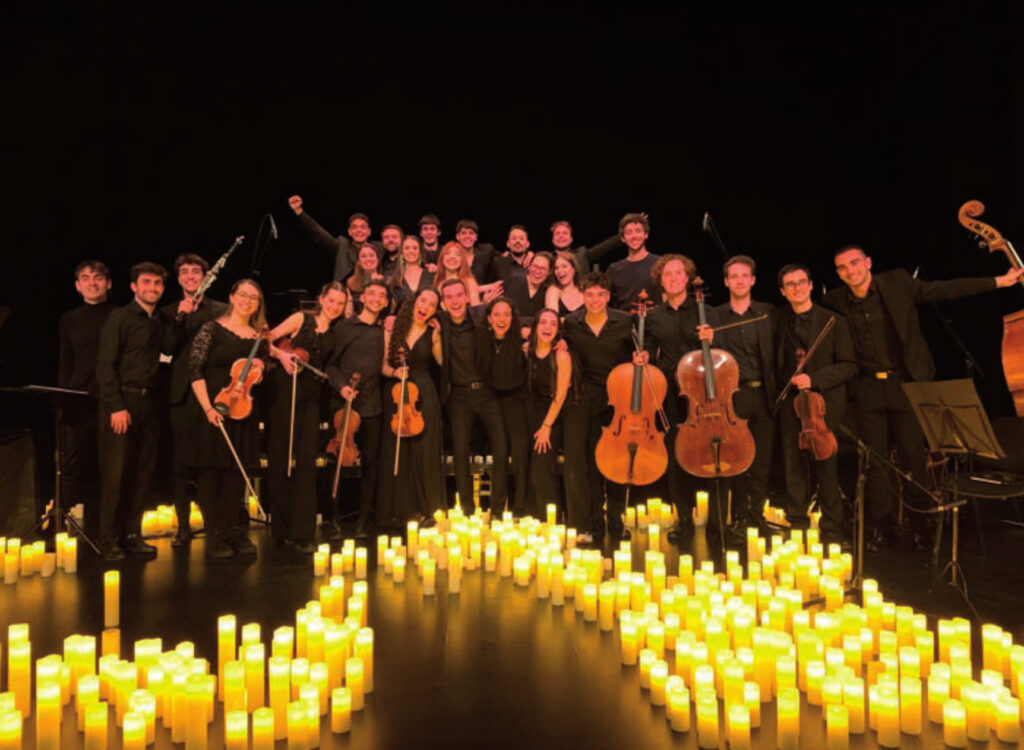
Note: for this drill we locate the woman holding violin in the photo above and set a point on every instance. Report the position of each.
(293, 424)
(229, 345)
(412, 487)
(816, 399)
(359, 354)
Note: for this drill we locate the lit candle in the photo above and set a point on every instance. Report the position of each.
(297, 726)
(910, 705)
(354, 681)
(254, 676)
(382, 547)
(361, 562)
(134, 734)
(318, 678)
(348, 555)
(88, 692)
(363, 648)
(1008, 719)
(837, 722)
(954, 724)
(677, 700)
(739, 727)
(11, 570)
(279, 669)
(341, 710)
(48, 714)
(19, 675)
(236, 730)
(707, 719)
(96, 726)
(976, 704)
(398, 570)
(196, 713)
(815, 679)
(628, 642)
(590, 602)
(226, 645)
(320, 564)
(429, 567)
(557, 581)
(263, 729)
(700, 513)
(788, 713)
(886, 713)
(454, 569)
(111, 599)
(647, 659)
(48, 564)
(309, 697)
(299, 677)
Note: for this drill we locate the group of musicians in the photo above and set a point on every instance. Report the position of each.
(425, 342)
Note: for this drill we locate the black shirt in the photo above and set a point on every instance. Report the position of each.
(463, 353)
(796, 336)
(741, 342)
(129, 354)
(671, 333)
(189, 325)
(358, 347)
(629, 278)
(79, 334)
(517, 289)
(599, 354)
(507, 266)
(874, 335)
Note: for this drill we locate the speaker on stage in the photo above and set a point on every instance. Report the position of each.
(17, 483)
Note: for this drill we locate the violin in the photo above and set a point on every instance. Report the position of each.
(235, 399)
(286, 345)
(407, 421)
(1013, 324)
(343, 444)
(815, 436)
(632, 448)
(713, 441)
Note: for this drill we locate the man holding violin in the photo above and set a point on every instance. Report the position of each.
(820, 382)
(359, 348)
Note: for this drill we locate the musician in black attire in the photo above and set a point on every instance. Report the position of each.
(632, 274)
(671, 332)
(891, 349)
(391, 245)
(468, 397)
(602, 338)
(753, 347)
(344, 249)
(502, 366)
(190, 269)
(127, 371)
(528, 291)
(293, 494)
(516, 260)
(833, 363)
(430, 234)
(359, 348)
(587, 258)
(480, 256)
(79, 336)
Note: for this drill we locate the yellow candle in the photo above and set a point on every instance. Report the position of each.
(739, 727)
(134, 734)
(700, 513)
(280, 692)
(226, 645)
(429, 568)
(1008, 719)
(363, 648)
(298, 732)
(454, 569)
(557, 581)
(629, 642)
(263, 729)
(254, 676)
(111, 599)
(341, 710)
(195, 712)
(707, 719)
(589, 602)
(910, 705)
(233, 688)
(110, 643)
(318, 678)
(938, 694)
(606, 606)
(815, 680)
(677, 700)
(96, 726)
(348, 554)
(48, 714)
(837, 727)
(976, 706)
(658, 676)
(354, 681)
(361, 562)
(320, 560)
(236, 730)
(88, 693)
(887, 711)
(309, 697)
(398, 570)
(788, 713)
(19, 676)
(11, 560)
(954, 724)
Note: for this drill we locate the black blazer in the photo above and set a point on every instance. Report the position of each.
(341, 246)
(832, 364)
(765, 340)
(900, 293)
(180, 380)
(477, 314)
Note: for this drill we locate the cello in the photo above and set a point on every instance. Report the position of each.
(713, 442)
(632, 450)
(1013, 324)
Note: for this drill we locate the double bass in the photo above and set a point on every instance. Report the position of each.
(713, 441)
(632, 450)
(1013, 324)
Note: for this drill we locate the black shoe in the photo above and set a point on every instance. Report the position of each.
(362, 529)
(305, 548)
(217, 548)
(111, 551)
(331, 531)
(182, 537)
(682, 531)
(239, 540)
(134, 544)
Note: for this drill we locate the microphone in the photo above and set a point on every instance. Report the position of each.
(273, 226)
(706, 224)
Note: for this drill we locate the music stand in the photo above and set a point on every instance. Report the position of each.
(56, 512)
(954, 422)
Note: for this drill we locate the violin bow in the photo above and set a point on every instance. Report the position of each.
(344, 432)
(238, 461)
(803, 362)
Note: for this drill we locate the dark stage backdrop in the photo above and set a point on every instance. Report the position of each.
(138, 137)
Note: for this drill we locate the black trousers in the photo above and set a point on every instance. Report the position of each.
(368, 439)
(127, 464)
(575, 425)
(465, 405)
(883, 411)
(518, 435)
(293, 499)
(223, 491)
(799, 466)
(79, 461)
(750, 489)
(185, 477)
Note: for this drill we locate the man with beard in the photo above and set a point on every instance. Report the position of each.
(632, 274)
(587, 258)
(391, 237)
(517, 259)
(344, 249)
(430, 233)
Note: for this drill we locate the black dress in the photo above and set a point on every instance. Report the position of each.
(418, 490)
(292, 500)
(214, 350)
(401, 291)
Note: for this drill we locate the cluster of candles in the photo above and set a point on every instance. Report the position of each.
(29, 559)
(714, 648)
(322, 665)
(163, 521)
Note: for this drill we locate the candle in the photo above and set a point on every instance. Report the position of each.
(398, 570)
(887, 710)
(954, 724)
(279, 673)
(557, 581)
(976, 705)
(837, 723)
(341, 710)
(354, 681)
(134, 734)
(309, 697)
(254, 676)
(299, 677)
(19, 675)
(707, 719)
(382, 547)
(297, 726)
(226, 645)
(658, 676)
(454, 569)
(95, 726)
(196, 712)
(320, 560)
(363, 648)
(11, 570)
(48, 714)
(739, 727)
(318, 679)
(361, 562)
(110, 642)
(606, 606)
(111, 599)
(815, 680)
(677, 699)
(1008, 719)
(788, 721)
(236, 730)
(88, 692)
(853, 699)
(429, 568)
(233, 687)
(700, 513)
(628, 636)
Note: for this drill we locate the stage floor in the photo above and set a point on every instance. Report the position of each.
(493, 666)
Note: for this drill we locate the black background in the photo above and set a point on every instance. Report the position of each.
(139, 136)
